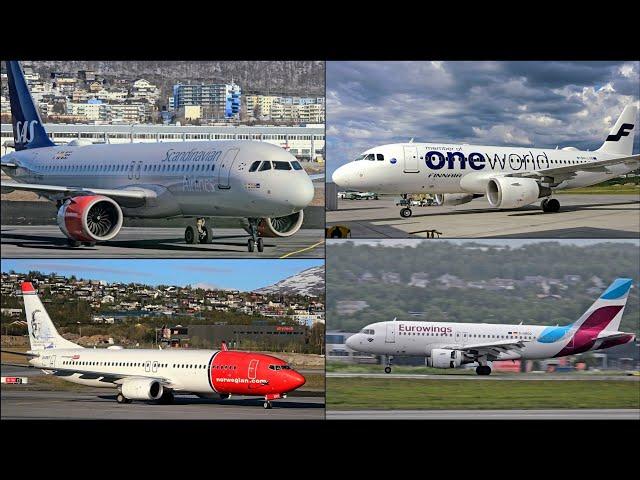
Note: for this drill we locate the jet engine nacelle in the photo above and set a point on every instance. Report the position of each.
(514, 192)
(142, 389)
(444, 358)
(281, 226)
(451, 199)
(90, 218)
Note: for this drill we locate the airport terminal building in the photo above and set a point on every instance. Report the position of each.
(306, 142)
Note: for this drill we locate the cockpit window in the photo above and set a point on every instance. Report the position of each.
(296, 165)
(380, 157)
(265, 166)
(279, 367)
(370, 157)
(254, 166)
(368, 331)
(359, 157)
(282, 165)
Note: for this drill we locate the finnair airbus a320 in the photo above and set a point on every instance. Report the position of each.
(451, 345)
(510, 177)
(153, 375)
(96, 186)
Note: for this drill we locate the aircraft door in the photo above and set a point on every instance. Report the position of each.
(147, 367)
(52, 361)
(391, 333)
(224, 168)
(411, 160)
(253, 368)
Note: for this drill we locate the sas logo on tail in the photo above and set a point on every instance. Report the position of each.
(622, 132)
(25, 131)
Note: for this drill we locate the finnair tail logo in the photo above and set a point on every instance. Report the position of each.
(25, 131)
(624, 131)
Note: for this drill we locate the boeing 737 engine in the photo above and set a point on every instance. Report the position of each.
(90, 219)
(451, 199)
(281, 226)
(444, 358)
(140, 389)
(513, 192)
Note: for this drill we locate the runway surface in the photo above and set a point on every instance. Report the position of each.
(100, 404)
(518, 377)
(586, 414)
(47, 241)
(580, 216)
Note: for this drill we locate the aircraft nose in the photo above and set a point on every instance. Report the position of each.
(297, 379)
(302, 195)
(351, 341)
(341, 177)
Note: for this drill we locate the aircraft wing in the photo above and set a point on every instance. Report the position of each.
(316, 177)
(90, 375)
(140, 194)
(567, 172)
(8, 165)
(490, 348)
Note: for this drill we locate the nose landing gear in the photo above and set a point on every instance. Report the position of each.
(254, 241)
(198, 233)
(406, 211)
(389, 363)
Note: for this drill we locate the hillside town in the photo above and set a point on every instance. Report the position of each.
(116, 302)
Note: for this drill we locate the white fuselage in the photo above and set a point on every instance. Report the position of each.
(201, 179)
(456, 168)
(412, 338)
(185, 370)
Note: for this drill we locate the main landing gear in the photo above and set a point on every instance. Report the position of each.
(267, 405)
(483, 370)
(198, 233)
(550, 205)
(254, 241)
(389, 363)
(167, 398)
(406, 211)
(121, 399)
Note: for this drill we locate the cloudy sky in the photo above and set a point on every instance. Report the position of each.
(241, 274)
(541, 104)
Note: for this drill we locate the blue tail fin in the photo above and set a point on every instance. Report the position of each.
(28, 131)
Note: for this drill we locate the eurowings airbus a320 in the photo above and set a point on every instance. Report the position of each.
(451, 345)
(153, 375)
(509, 177)
(96, 186)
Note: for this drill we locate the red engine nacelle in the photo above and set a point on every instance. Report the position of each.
(90, 218)
(281, 226)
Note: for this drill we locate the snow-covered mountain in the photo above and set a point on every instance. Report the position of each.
(308, 282)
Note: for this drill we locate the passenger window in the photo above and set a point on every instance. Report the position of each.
(296, 165)
(254, 166)
(265, 166)
(282, 165)
(380, 157)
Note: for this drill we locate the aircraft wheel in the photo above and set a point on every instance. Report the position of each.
(73, 243)
(267, 405)
(121, 399)
(208, 235)
(483, 370)
(387, 369)
(406, 212)
(251, 245)
(550, 205)
(167, 398)
(260, 245)
(190, 235)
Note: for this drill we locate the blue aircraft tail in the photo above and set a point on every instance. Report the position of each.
(28, 131)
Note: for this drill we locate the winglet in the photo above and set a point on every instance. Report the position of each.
(223, 347)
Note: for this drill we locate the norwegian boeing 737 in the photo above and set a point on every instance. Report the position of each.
(510, 177)
(144, 374)
(451, 345)
(96, 186)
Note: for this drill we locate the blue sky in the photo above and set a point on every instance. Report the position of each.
(534, 104)
(236, 274)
